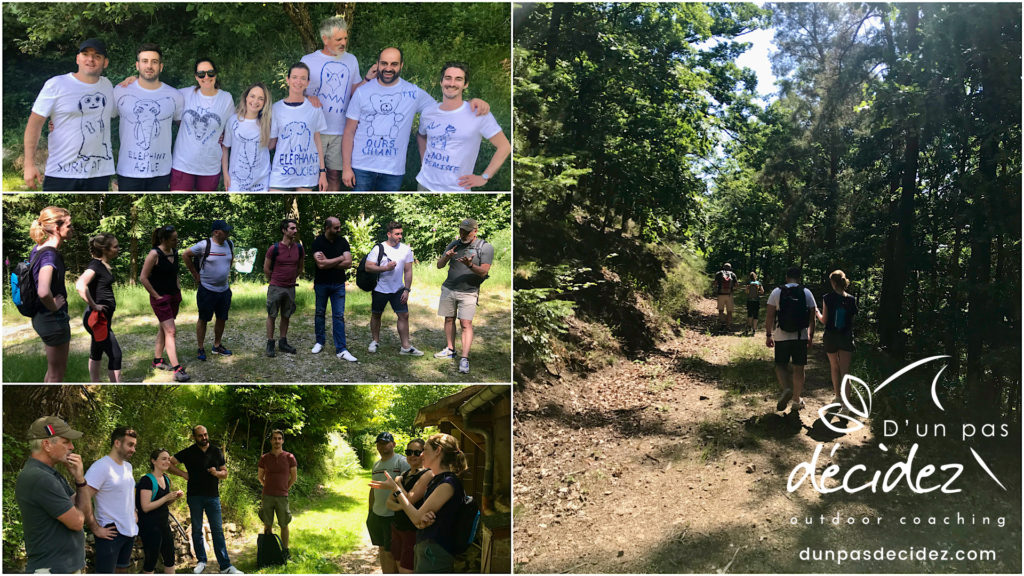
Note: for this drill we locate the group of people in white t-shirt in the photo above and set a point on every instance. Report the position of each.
(335, 126)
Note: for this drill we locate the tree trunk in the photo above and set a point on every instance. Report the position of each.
(298, 13)
(347, 10)
(133, 244)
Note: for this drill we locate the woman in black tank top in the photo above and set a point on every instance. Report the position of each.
(160, 278)
(837, 311)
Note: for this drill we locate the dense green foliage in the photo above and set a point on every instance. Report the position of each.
(320, 423)
(253, 43)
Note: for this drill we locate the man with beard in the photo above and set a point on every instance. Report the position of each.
(333, 76)
(205, 468)
(52, 514)
(80, 105)
(114, 523)
(380, 117)
(146, 108)
(277, 472)
(282, 267)
(332, 254)
(380, 517)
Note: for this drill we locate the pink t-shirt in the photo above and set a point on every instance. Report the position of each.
(278, 472)
(286, 265)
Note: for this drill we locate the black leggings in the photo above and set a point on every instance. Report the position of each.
(157, 539)
(110, 345)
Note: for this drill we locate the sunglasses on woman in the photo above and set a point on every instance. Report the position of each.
(205, 73)
(414, 452)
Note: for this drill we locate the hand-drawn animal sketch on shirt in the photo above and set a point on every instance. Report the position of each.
(244, 160)
(298, 136)
(94, 133)
(334, 85)
(147, 115)
(441, 142)
(384, 120)
(200, 124)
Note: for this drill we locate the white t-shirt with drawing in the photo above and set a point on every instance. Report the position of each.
(79, 146)
(248, 161)
(453, 143)
(197, 147)
(296, 159)
(385, 115)
(331, 80)
(145, 129)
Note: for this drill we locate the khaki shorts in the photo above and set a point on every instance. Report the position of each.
(461, 304)
(279, 298)
(278, 505)
(332, 150)
(725, 302)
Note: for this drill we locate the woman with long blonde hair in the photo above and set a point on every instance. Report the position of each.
(246, 155)
(51, 321)
(837, 311)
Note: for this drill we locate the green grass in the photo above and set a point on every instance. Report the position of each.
(324, 528)
(136, 327)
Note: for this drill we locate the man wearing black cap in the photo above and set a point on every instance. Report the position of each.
(52, 514)
(469, 260)
(379, 519)
(211, 270)
(80, 105)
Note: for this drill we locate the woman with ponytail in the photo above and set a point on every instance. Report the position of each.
(51, 321)
(96, 287)
(837, 311)
(160, 278)
(435, 514)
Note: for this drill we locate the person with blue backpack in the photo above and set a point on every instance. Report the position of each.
(282, 267)
(153, 495)
(790, 324)
(44, 295)
(837, 311)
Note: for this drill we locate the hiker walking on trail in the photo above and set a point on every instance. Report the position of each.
(725, 283)
(277, 472)
(282, 267)
(754, 290)
(211, 270)
(153, 495)
(837, 311)
(790, 325)
(52, 514)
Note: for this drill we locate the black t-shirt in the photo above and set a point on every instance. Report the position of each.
(156, 516)
(841, 310)
(331, 250)
(101, 289)
(401, 520)
(197, 462)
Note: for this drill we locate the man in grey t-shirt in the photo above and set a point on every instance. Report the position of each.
(52, 513)
(469, 260)
(212, 271)
(379, 518)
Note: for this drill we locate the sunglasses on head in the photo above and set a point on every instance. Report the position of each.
(414, 452)
(168, 228)
(205, 73)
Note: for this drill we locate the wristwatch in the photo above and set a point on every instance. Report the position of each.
(322, 170)
(80, 485)
(404, 289)
(485, 176)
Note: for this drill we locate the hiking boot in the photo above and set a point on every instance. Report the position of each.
(223, 352)
(162, 365)
(200, 568)
(180, 375)
(783, 399)
(446, 353)
(201, 355)
(410, 351)
(316, 348)
(285, 347)
(286, 554)
(346, 355)
(270, 349)
(373, 347)
(798, 405)
(464, 365)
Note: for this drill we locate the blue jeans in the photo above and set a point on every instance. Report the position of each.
(211, 505)
(336, 292)
(367, 181)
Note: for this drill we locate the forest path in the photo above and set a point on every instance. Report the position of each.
(679, 463)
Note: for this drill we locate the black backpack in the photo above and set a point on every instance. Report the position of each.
(200, 261)
(23, 285)
(723, 277)
(368, 280)
(273, 253)
(793, 312)
(467, 522)
(269, 551)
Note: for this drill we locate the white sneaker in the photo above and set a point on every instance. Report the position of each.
(446, 353)
(231, 570)
(317, 348)
(373, 347)
(200, 568)
(798, 405)
(346, 355)
(410, 351)
(464, 365)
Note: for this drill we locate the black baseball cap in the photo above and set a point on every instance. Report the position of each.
(385, 437)
(222, 225)
(96, 44)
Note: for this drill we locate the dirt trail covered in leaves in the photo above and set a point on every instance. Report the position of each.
(678, 462)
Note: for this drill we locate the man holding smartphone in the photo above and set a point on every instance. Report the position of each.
(469, 260)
